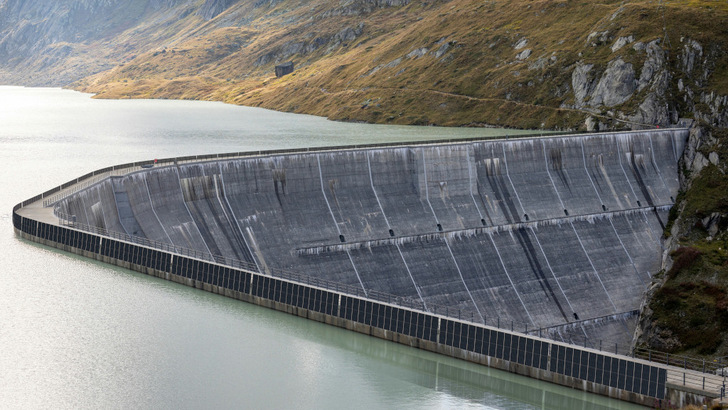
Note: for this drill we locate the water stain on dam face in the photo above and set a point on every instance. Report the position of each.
(540, 233)
(500, 192)
(557, 166)
(537, 269)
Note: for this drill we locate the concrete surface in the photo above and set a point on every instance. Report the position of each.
(552, 232)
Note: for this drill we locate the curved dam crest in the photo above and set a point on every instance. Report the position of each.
(559, 233)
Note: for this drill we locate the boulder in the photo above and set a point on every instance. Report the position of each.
(692, 52)
(417, 53)
(524, 54)
(348, 34)
(616, 86)
(444, 47)
(653, 67)
(621, 42)
(582, 83)
(653, 110)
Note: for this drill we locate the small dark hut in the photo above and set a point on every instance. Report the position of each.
(284, 69)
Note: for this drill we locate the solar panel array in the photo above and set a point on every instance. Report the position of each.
(622, 373)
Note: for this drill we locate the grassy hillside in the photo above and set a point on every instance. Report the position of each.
(458, 62)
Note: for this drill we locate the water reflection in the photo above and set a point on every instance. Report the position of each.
(471, 383)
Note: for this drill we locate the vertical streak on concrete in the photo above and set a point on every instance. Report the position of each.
(490, 235)
(654, 163)
(192, 219)
(619, 157)
(552, 271)
(103, 214)
(546, 163)
(586, 169)
(371, 182)
(653, 235)
(218, 190)
(608, 181)
(674, 150)
(357, 273)
(462, 279)
(88, 221)
(235, 218)
(581, 326)
(427, 190)
(151, 205)
(505, 162)
(116, 204)
(470, 181)
(417, 288)
(625, 250)
(592, 265)
(323, 192)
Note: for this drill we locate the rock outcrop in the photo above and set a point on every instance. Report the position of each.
(616, 85)
(211, 8)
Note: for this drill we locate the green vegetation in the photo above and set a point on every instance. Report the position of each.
(707, 195)
(690, 311)
(695, 313)
(692, 307)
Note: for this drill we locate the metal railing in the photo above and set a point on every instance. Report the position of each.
(717, 366)
(61, 192)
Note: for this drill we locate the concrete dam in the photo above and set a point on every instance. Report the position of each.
(557, 236)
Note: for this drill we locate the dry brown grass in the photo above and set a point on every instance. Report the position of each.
(480, 80)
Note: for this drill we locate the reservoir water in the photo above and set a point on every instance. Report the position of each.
(80, 334)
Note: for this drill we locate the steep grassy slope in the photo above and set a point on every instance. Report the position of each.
(456, 62)
(688, 311)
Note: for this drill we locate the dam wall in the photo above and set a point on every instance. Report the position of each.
(177, 220)
(551, 232)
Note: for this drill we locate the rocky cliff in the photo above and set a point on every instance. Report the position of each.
(553, 64)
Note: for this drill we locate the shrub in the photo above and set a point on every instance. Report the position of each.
(683, 258)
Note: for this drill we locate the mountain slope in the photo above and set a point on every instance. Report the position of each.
(525, 63)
